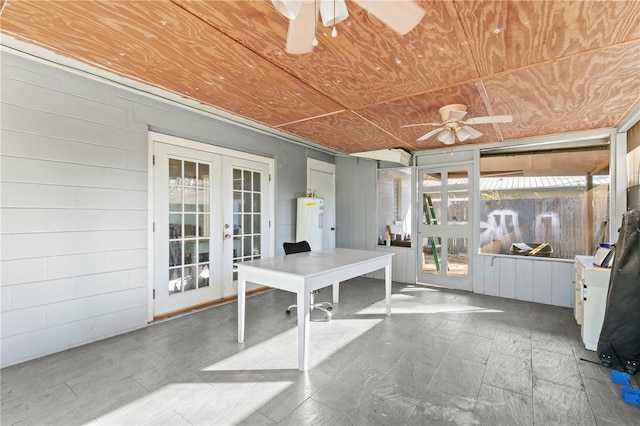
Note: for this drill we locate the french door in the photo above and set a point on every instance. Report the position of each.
(210, 211)
(445, 208)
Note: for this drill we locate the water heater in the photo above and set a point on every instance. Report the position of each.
(309, 223)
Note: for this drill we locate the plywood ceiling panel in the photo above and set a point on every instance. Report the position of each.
(160, 43)
(556, 66)
(507, 35)
(347, 132)
(366, 63)
(582, 92)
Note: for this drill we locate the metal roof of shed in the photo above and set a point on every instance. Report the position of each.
(525, 182)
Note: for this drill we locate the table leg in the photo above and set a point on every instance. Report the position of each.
(304, 299)
(336, 293)
(387, 286)
(242, 285)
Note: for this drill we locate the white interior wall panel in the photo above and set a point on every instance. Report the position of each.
(539, 280)
(73, 185)
(346, 201)
(403, 264)
(524, 280)
(356, 211)
(543, 282)
(367, 218)
(507, 277)
(489, 276)
(290, 166)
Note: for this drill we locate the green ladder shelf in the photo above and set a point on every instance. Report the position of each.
(430, 216)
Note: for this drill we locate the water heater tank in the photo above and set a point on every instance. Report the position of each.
(309, 222)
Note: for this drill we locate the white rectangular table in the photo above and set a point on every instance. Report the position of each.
(301, 273)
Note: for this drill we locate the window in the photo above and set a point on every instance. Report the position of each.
(394, 207)
(551, 204)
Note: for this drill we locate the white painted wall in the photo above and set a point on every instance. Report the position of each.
(73, 203)
(540, 280)
(356, 209)
(403, 264)
(74, 216)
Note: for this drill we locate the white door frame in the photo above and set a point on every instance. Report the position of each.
(187, 143)
(445, 230)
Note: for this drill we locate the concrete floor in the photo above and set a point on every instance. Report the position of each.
(442, 358)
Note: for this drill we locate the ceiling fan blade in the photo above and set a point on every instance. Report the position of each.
(302, 30)
(428, 135)
(455, 114)
(473, 133)
(490, 119)
(400, 16)
(422, 124)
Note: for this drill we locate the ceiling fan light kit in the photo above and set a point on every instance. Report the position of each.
(462, 134)
(446, 136)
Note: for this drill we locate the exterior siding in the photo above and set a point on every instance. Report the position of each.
(74, 213)
(74, 196)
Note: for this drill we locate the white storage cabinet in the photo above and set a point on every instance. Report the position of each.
(591, 286)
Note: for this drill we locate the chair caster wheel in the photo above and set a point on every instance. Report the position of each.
(330, 308)
(288, 312)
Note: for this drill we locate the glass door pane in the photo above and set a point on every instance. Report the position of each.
(431, 255)
(247, 215)
(457, 215)
(458, 257)
(189, 219)
(431, 217)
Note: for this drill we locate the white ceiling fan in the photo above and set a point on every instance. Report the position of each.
(453, 125)
(401, 16)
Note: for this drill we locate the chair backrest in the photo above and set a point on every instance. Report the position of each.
(299, 247)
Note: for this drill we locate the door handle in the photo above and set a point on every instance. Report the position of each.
(333, 228)
(227, 236)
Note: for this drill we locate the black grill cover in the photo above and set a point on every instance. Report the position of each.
(619, 343)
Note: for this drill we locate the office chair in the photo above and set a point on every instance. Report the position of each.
(326, 307)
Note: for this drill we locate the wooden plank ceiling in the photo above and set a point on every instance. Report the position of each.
(556, 66)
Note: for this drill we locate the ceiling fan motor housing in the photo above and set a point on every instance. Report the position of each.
(445, 111)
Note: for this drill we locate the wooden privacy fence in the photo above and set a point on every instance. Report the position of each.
(554, 217)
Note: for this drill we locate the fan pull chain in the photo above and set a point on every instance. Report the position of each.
(334, 32)
(314, 42)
